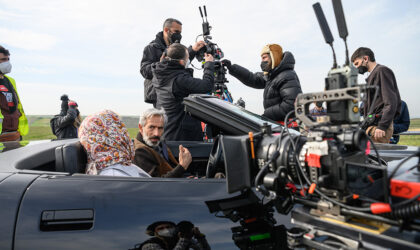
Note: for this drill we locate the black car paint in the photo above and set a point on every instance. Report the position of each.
(122, 206)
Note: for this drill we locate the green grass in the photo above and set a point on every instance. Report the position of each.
(44, 132)
(39, 133)
(415, 124)
(39, 129)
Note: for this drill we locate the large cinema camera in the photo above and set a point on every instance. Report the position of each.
(332, 180)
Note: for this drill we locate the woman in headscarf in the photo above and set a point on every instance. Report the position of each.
(109, 147)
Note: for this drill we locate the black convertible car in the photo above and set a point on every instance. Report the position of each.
(47, 202)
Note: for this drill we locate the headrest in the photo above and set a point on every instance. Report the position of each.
(70, 158)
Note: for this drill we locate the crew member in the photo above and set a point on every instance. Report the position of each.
(152, 154)
(66, 124)
(152, 53)
(174, 82)
(387, 104)
(279, 80)
(401, 123)
(13, 122)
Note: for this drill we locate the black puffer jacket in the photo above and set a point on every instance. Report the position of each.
(173, 83)
(281, 86)
(151, 54)
(63, 124)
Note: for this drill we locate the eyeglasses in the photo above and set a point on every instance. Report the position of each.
(4, 59)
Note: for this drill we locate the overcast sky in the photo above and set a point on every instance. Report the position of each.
(91, 50)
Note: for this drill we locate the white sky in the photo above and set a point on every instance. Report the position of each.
(91, 50)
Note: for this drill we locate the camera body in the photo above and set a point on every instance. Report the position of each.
(210, 48)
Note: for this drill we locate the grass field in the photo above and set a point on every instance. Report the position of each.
(39, 129)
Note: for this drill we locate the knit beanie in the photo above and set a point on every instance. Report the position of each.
(276, 53)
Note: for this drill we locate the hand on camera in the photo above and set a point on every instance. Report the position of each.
(198, 45)
(185, 158)
(208, 57)
(227, 63)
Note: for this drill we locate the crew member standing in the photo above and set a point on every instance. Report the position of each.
(387, 104)
(152, 53)
(279, 80)
(13, 122)
(173, 83)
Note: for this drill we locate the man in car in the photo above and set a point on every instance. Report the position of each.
(151, 152)
(152, 53)
(174, 82)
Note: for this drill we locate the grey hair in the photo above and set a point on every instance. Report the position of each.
(168, 22)
(150, 113)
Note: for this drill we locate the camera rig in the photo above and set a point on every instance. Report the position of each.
(220, 89)
(332, 181)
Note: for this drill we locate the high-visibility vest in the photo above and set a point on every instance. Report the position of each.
(23, 127)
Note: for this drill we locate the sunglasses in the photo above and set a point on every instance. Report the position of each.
(4, 59)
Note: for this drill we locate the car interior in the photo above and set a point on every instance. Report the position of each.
(69, 156)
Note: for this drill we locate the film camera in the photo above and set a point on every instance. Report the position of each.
(220, 88)
(332, 181)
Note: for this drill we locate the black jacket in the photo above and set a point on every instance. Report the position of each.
(281, 86)
(388, 100)
(63, 124)
(173, 83)
(152, 54)
(401, 123)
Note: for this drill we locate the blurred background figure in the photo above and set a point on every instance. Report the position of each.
(109, 148)
(401, 123)
(318, 110)
(13, 122)
(66, 124)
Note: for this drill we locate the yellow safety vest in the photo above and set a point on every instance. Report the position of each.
(23, 127)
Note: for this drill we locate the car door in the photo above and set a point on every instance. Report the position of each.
(102, 212)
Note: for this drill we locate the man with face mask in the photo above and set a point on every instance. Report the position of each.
(152, 154)
(168, 236)
(279, 80)
(174, 82)
(387, 103)
(164, 237)
(13, 122)
(152, 53)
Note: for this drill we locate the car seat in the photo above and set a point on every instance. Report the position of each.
(70, 158)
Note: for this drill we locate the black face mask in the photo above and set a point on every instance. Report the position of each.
(175, 38)
(265, 66)
(362, 69)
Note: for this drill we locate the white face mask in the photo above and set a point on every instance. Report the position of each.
(167, 232)
(187, 63)
(5, 67)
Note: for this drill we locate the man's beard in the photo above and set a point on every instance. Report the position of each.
(150, 143)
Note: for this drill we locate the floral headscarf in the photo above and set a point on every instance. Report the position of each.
(106, 140)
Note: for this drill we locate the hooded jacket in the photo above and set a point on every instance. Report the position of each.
(173, 83)
(152, 54)
(281, 86)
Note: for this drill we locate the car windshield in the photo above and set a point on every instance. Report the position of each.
(243, 112)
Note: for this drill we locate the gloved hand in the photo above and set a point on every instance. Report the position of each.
(227, 63)
(64, 98)
(64, 103)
